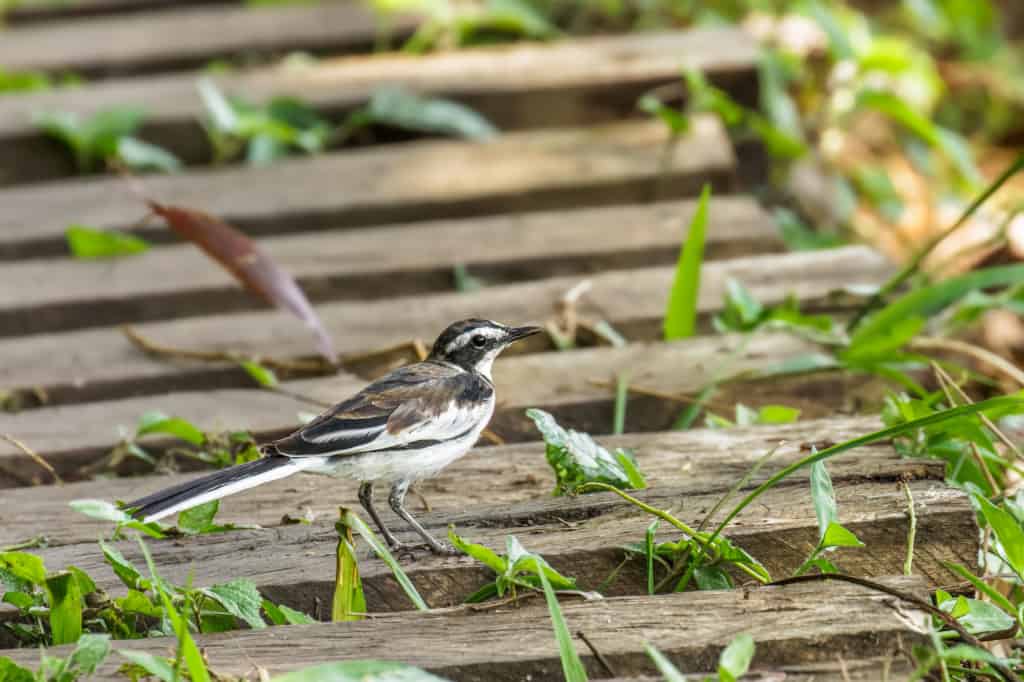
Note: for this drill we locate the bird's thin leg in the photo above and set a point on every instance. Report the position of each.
(397, 501)
(366, 499)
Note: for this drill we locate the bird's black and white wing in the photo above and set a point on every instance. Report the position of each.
(412, 407)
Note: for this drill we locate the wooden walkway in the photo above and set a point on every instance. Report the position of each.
(576, 188)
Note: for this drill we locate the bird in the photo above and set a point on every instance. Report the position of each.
(403, 427)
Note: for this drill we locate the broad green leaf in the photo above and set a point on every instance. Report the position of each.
(141, 155)
(824, 498)
(1006, 529)
(222, 113)
(977, 616)
(359, 671)
(12, 672)
(521, 561)
(354, 522)
(107, 511)
(777, 414)
(735, 659)
(837, 536)
(577, 459)
(24, 566)
(157, 666)
(681, 311)
(264, 376)
(664, 666)
(87, 242)
(279, 614)
(20, 600)
(995, 595)
(484, 555)
(85, 583)
(65, 608)
(91, 650)
(158, 422)
(572, 666)
(402, 109)
(139, 602)
(712, 578)
(241, 599)
(198, 519)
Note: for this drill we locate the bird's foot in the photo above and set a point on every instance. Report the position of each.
(408, 550)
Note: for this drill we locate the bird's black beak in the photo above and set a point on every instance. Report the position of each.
(517, 333)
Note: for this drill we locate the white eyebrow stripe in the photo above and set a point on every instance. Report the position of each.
(463, 338)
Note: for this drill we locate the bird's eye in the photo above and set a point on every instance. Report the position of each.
(479, 341)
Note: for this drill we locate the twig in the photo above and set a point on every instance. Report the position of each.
(976, 352)
(32, 543)
(34, 455)
(152, 348)
(597, 654)
(908, 565)
(921, 604)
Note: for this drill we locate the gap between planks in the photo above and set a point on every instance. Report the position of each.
(101, 364)
(373, 263)
(567, 83)
(76, 437)
(626, 162)
(691, 628)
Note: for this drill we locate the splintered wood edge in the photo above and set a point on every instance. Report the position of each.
(690, 628)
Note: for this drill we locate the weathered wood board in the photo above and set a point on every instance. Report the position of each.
(514, 643)
(190, 37)
(31, 11)
(378, 262)
(103, 363)
(569, 83)
(75, 436)
(530, 171)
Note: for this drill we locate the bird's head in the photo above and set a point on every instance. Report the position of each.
(473, 344)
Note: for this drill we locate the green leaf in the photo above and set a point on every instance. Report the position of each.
(65, 608)
(24, 566)
(995, 595)
(20, 600)
(777, 414)
(712, 578)
(484, 555)
(87, 242)
(735, 659)
(348, 603)
(85, 583)
(141, 155)
(198, 519)
(577, 459)
(681, 311)
(824, 498)
(264, 376)
(158, 422)
(519, 560)
(354, 522)
(572, 666)
(1006, 529)
(140, 603)
(106, 511)
(977, 616)
(279, 614)
(12, 672)
(677, 121)
(222, 113)
(837, 536)
(397, 107)
(92, 649)
(664, 666)
(359, 671)
(157, 666)
(241, 599)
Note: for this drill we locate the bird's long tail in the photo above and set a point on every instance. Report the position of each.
(213, 487)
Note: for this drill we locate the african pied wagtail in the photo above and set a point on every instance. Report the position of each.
(403, 427)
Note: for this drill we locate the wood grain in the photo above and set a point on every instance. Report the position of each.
(101, 363)
(618, 163)
(690, 628)
(568, 83)
(55, 294)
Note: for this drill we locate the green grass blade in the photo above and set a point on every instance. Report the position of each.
(884, 434)
(681, 313)
(65, 599)
(664, 666)
(572, 666)
(915, 264)
(349, 602)
(621, 399)
(353, 521)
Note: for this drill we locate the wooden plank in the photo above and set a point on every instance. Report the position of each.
(101, 363)
(489, 476)
(567, 84)
(180, 281)
(612, 164)
(581, 536)
(690, 628)
(31, 11)
(840, 669)
(75, 436)
(189, 37)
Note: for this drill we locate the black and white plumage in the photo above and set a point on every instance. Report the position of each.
(403, 427)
